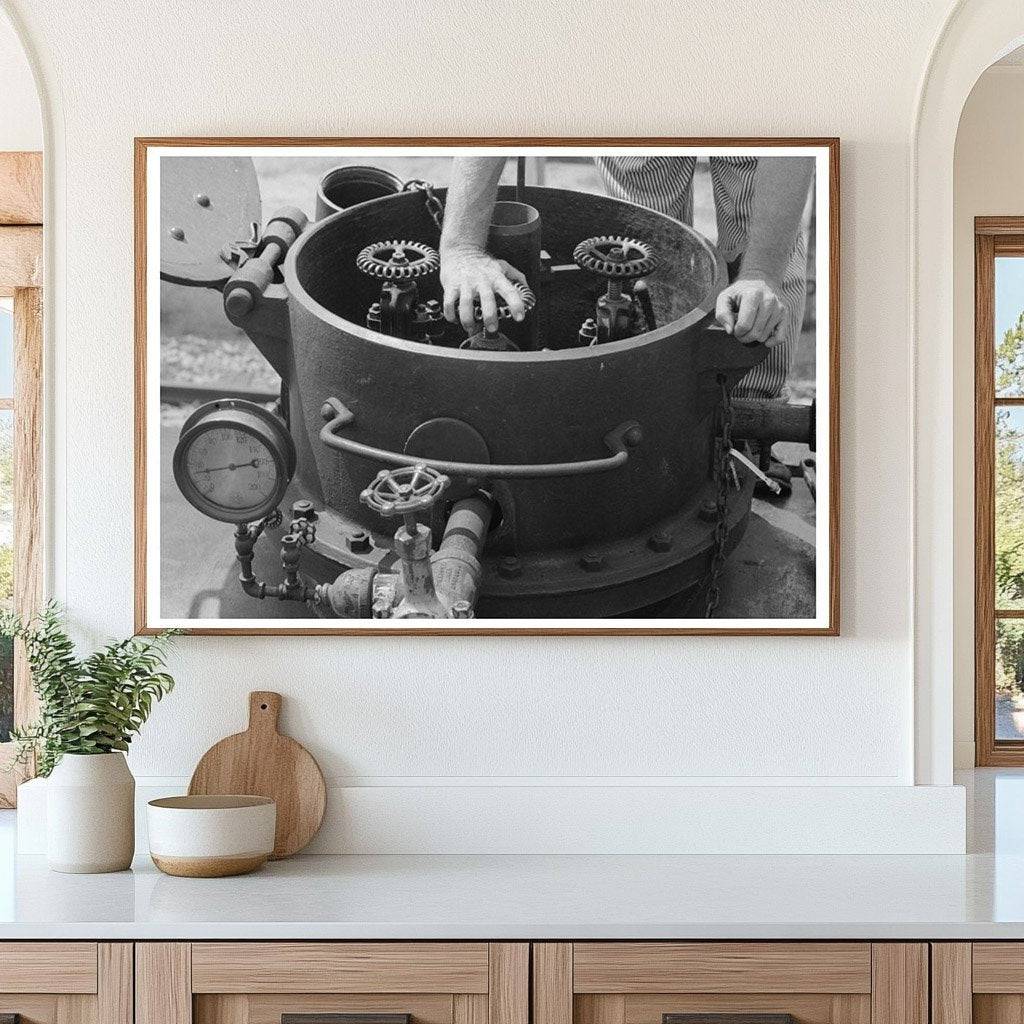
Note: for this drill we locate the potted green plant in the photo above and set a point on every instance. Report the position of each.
(89, 709)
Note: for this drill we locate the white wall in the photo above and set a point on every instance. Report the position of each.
(443, 713)
(21, 125)
(988, 181)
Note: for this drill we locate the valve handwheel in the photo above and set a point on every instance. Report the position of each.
(404, 491)
(616, 256)
(398, 261)
(529, 301)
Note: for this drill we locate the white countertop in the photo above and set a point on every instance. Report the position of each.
(532, 897)
(979, 896)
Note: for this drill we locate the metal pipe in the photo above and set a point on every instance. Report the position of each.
(419, 598)
(756, 419)
(456, 565)
(293, 588)
(618, 441)
(252, 278)
(514, 235)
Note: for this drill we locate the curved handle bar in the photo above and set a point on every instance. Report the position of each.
(619, 441)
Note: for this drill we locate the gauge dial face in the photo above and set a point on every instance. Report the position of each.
(234, 460)
(232, 469)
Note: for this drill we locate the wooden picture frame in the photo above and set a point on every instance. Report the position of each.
(21, 261)
(148, 619)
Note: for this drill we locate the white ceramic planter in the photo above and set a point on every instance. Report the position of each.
(90, 814)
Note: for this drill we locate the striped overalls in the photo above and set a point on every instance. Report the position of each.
(665, 184)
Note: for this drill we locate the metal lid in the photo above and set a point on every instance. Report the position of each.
(207, 205)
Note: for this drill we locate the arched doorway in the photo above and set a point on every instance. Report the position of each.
(975, 35)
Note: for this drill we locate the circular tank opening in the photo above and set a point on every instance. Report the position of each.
(513, 215)
(343, 187)
(686, 277)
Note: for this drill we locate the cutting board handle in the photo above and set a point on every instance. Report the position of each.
(264, 710)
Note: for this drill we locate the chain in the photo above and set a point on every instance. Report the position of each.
(434, 206)
(723, 445)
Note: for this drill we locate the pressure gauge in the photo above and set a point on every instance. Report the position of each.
(234, 460)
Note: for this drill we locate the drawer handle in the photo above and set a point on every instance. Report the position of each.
(728, 1018)
(340, 1018)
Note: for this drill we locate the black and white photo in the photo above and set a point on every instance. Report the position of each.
(456, 386)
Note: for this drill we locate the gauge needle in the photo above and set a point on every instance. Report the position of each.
(233, 465)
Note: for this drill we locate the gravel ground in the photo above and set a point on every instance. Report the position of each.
(1009, 718)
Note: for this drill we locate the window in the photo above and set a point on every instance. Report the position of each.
(6, 510)
(999, 490)
(21, 364)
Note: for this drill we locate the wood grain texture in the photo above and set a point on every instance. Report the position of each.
(32, 1009)
(754, 967)
(139, 538)
(28, 482)
(339, 967)
(48, 1009)
(262, 762)
(226, 1009)
(115, 983)
(851, 1009)
(48, 967)
(21, 258)
(984, 502)
(998, 967)
(998, 225)
(264, 1008)
(552, 983)
(600, 1009)
(76, 1009)
(21, 188)
(208, 867)
(145, 143)
(806, 1008)
(11, 775)
(467, 1009)
(346, 1018)
(951, 983)
(28, 516)
(997, 1009)
(163, 983)
(899, 988)
(509, 983)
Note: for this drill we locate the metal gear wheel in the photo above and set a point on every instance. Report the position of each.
(398, 261)
(529, 301)
(615, 256)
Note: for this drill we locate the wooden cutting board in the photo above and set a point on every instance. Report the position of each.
(262, 762)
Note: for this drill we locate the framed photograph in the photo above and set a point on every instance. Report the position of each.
(487, 386)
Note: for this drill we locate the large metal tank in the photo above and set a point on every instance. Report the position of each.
(567, 544)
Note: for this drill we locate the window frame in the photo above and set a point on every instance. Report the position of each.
(21, 252)
(993, 237)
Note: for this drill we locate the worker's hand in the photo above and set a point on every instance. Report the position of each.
(752, 311)
(470, 273)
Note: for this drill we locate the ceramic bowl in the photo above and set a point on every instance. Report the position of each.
(211, 836)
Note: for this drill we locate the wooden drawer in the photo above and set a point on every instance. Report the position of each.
(980, 981)
(48, 967)
(814, 982)
(62, 982)
(258, 982)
